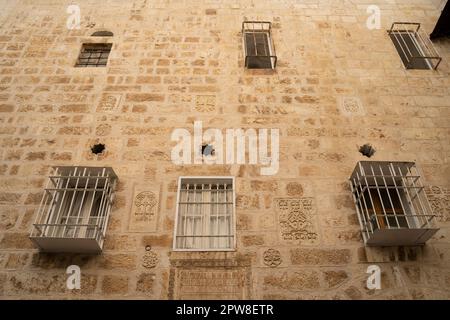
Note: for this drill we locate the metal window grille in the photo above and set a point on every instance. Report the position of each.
(94, 55)
(414, 47)
(258, 45)
(74, 211)
(205, 214)
(391, 204)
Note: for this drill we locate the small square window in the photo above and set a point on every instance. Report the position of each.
(94, 55)
(259, 49)
(415, 49)
(205, 214)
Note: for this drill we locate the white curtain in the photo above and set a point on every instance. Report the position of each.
(204, 217)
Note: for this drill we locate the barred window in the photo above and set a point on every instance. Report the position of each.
(413, 46)
(391, 204)
(94, 55)
(259, 49)
(74, 211)
(205, 214)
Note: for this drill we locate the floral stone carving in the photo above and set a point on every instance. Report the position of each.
(272, 258)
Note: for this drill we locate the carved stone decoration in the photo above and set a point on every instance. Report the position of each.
(297, 220)
(272, 258)
(109, 103)
(210, 275)
(439, 199)
(150, 259)
(145, 203)
(205, 103)
(351, 106)
(144, 211)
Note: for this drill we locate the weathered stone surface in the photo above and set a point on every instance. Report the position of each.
(117, 262)
(252, 240)
(145, 283)
(294, 189)
(16, 241)
(60, 260)
(8, 218)
(210, 283)
(120, 242)
(295, 281)
(338, 88)
(114, 285)
(335, 278)
(157, 241)
(320, 256)
(16, 261)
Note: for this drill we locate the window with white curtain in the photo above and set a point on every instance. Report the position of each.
(205, 214)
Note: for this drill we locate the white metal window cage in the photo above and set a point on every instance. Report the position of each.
(74, 210)
(205, 214)
(258, 45)
(391, 204)
(414, 46)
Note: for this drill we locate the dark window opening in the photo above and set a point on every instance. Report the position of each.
(259, 49)
(367, 150)
(102, 34)
(94, 55)
(98, 148)
(207, 150)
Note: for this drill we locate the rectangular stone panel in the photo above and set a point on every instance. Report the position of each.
(211, 284)
(145, 208)
(297, 220)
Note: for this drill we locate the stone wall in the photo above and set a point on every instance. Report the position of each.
(337, 86)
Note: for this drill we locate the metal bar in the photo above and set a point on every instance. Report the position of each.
(78, 189)
(381, 199)
(51, 209)
(87, 214)
(62, 202)
(218, 194)
(417, 192)
(71, 202)
(401, 47)
(102, 200)
(408, 196)
(399, 196)
(41, 208)
(111, 198)
(186, 213)
(370, 195)
(82, 200)
(108, 205)
(366, 213)
(389, 196)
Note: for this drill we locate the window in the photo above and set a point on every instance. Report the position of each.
(391, 204)
(94, 55)
(259, 49)
(415, 49)
(74, 211)
(102, 33)
(205, 214)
